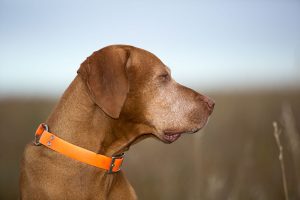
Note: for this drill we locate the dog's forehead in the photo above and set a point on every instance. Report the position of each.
(147, 61)
(143, 56)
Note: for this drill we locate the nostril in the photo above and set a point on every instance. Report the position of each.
(207, 100)
(210, 103)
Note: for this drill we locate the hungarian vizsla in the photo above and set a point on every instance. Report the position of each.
(122, 94)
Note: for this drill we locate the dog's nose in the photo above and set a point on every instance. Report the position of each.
(206, 101)
(210, 103)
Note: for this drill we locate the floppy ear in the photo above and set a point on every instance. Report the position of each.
(105, 75)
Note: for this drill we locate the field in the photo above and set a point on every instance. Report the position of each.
(235, 157)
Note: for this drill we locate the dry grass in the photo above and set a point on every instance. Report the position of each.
(292, 138)
(234, 157)
(277, 133)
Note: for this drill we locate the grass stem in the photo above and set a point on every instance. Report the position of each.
(277, 133)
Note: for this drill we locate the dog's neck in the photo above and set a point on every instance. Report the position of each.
(78, 120)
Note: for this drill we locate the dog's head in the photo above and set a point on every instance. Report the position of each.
(132, 85)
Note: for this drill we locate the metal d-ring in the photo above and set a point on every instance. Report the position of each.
(37, 137)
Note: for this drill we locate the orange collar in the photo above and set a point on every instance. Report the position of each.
(111, 164)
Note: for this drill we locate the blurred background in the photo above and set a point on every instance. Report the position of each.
(244, 54)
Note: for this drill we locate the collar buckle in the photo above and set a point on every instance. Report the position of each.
(42, 127)
(112, 163)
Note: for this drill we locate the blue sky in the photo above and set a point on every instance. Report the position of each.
(210, 45)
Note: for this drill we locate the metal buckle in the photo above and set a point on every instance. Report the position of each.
(112, 163)
(37, 137)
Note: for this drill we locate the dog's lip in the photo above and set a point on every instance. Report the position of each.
(170, 136)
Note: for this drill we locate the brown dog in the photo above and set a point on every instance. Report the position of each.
(121, 95)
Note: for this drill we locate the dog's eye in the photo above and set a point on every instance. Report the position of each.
(164, 77)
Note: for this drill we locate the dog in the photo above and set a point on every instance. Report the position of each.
(121, 95)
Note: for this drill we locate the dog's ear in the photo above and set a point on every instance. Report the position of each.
(105, 75)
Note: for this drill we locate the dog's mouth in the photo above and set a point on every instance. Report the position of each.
(172, 136)
(168, 137)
